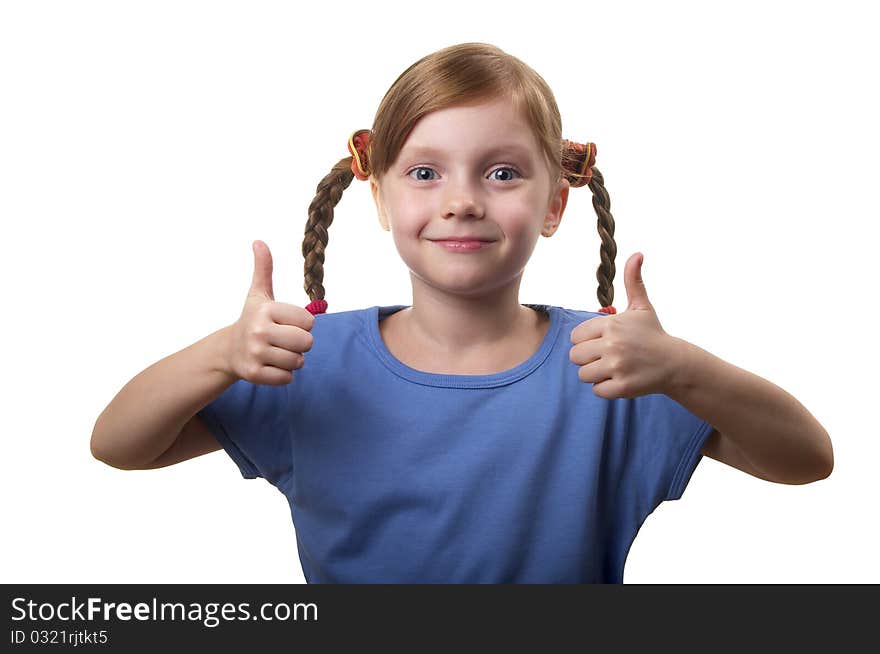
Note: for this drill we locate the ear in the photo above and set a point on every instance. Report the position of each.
(380, 208)
(558, 201)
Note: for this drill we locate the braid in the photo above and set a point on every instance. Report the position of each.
(578, 166)
(608, 249)
(327, 196)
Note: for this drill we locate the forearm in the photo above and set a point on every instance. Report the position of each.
(774, 431)
(145, 417)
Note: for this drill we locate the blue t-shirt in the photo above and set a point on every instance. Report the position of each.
(394, 475)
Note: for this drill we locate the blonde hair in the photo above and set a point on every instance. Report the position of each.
(460, 75)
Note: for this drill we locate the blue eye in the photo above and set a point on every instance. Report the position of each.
(513, 170)
(420, 168)
(432, 170)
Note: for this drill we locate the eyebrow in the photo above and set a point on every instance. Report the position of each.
(427, 150)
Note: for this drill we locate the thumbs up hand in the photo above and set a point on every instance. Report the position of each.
(626, 355)
(267, 342)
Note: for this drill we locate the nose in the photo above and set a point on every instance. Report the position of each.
(462, 200)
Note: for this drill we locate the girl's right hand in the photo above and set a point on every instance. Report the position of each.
(266, 343)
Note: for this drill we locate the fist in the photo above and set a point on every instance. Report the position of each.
(268, 340)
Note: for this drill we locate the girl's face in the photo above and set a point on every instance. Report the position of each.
(475, 171)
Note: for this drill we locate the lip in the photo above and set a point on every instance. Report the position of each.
(464, 238)
(456, 245)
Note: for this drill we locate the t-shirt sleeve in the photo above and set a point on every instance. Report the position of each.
(252, 423)
(667, 439)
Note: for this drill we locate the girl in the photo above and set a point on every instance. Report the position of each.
(456, 439)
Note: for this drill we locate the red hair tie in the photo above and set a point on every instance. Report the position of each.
(317, 306)
(360, 148)
(578, 160)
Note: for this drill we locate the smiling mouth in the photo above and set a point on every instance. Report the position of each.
(463, 240)
(463, 246)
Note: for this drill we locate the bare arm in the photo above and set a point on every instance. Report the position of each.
(152, 421)
(145, 418)
(768, 427)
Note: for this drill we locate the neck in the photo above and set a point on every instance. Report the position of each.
(458, 325)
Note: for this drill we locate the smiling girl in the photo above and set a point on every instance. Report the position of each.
(466, 437)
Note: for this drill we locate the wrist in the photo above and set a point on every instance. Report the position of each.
(681, 372)
(221, 342)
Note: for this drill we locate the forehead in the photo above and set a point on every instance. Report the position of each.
(485, 128)
(492, 148)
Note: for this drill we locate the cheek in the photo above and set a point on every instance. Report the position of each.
(408, 231)
(408, 226)
(520, 207)
(520, 222)
(402, 217)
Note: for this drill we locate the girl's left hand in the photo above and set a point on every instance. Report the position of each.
(628, 354)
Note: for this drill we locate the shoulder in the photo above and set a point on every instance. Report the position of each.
(578, 315)
(571, 318)
(341, 322)
(338, 341)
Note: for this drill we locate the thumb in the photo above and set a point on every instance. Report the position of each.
(636, 293)
(261, 284)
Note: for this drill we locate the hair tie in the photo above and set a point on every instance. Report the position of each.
(578, 160)
(360, 147)
(317, 306)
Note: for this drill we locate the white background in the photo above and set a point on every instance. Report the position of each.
(144, 146)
